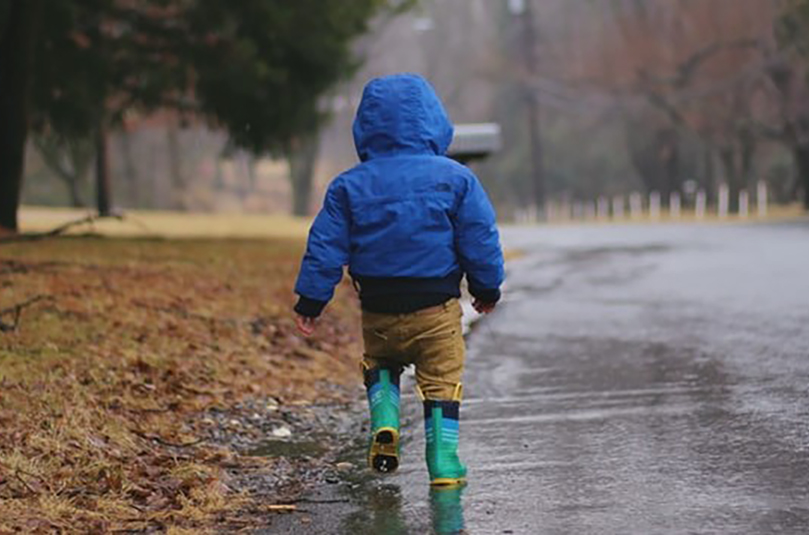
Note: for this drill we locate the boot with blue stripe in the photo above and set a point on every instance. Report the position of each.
(383, 399)
(441, 437)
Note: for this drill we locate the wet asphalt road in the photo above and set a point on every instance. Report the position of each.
(635, 380)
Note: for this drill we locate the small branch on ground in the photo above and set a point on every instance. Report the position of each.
(57, 231)
(25, 484)
(282, 508)
(15, 311)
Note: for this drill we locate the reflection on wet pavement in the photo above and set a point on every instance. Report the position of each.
(382, 511)
(446, 510)
(637, 380)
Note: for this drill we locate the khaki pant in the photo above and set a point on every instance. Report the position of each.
(431, 339)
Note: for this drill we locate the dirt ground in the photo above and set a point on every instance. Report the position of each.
(136, 375)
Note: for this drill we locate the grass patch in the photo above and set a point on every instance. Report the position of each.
(154, 223)
(99, 380)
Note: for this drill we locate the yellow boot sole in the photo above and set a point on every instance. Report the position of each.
(448, 482)
(383, 455)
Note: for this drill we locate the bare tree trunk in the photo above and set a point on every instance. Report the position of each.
(302, 158)
(669, 154)
(69, 160)
(801, 153)
(791, 83)
(75, 196)
(710, 172)
(103, 179)
(18, 36)
(654, 153)
(748, 155)
(728, 157)
(529, 45)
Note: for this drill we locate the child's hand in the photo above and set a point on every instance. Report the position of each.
(483, 308)
(305, 324)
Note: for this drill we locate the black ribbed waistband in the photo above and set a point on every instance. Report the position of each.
(403, 295)
(369, 286)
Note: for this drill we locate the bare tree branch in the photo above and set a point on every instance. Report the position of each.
(57, 231)
(15, 311)
(689, 67)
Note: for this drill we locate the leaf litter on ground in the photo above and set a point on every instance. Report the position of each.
(106, 380)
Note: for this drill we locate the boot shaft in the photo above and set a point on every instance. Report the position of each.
(441, 422)
(441, 428)
(382, 386)
(383, 401)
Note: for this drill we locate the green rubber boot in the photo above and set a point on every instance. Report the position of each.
(383, 400)
(441, 434)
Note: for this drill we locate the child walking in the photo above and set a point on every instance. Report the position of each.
(409, 223)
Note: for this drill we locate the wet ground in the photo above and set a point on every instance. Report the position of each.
(635, 380)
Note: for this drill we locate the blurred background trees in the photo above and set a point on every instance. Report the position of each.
(256, 70)
(190, 105)
(690, 87)
(646, 95)
(790, 77)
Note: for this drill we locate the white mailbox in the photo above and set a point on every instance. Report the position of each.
(475, 141)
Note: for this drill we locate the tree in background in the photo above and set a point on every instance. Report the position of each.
(790, 76)
(688, 71)
(259, 68)
(581, 139)
(731, 74)
(686, 88)
(19, 28)
(97, 61)
(71, 159)
(264, 70)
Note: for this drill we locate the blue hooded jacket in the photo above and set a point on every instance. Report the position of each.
(407, 218)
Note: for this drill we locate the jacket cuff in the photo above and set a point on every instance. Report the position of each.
(311, 308)
(485, 296)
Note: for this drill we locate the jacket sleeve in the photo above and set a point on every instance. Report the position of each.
(327, 251)
(477, 243)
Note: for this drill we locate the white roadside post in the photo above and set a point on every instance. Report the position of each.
(674, 205)
(700, 202)
(603, 208)
(654, 205)
(744, 204)
(761, 198)
(723, 202)
(635, 205)
(618, 207)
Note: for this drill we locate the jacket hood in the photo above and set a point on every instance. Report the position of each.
(401, 114)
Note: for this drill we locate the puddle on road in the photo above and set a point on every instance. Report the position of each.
(367, 504)
(287, 448)
(385, 509)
